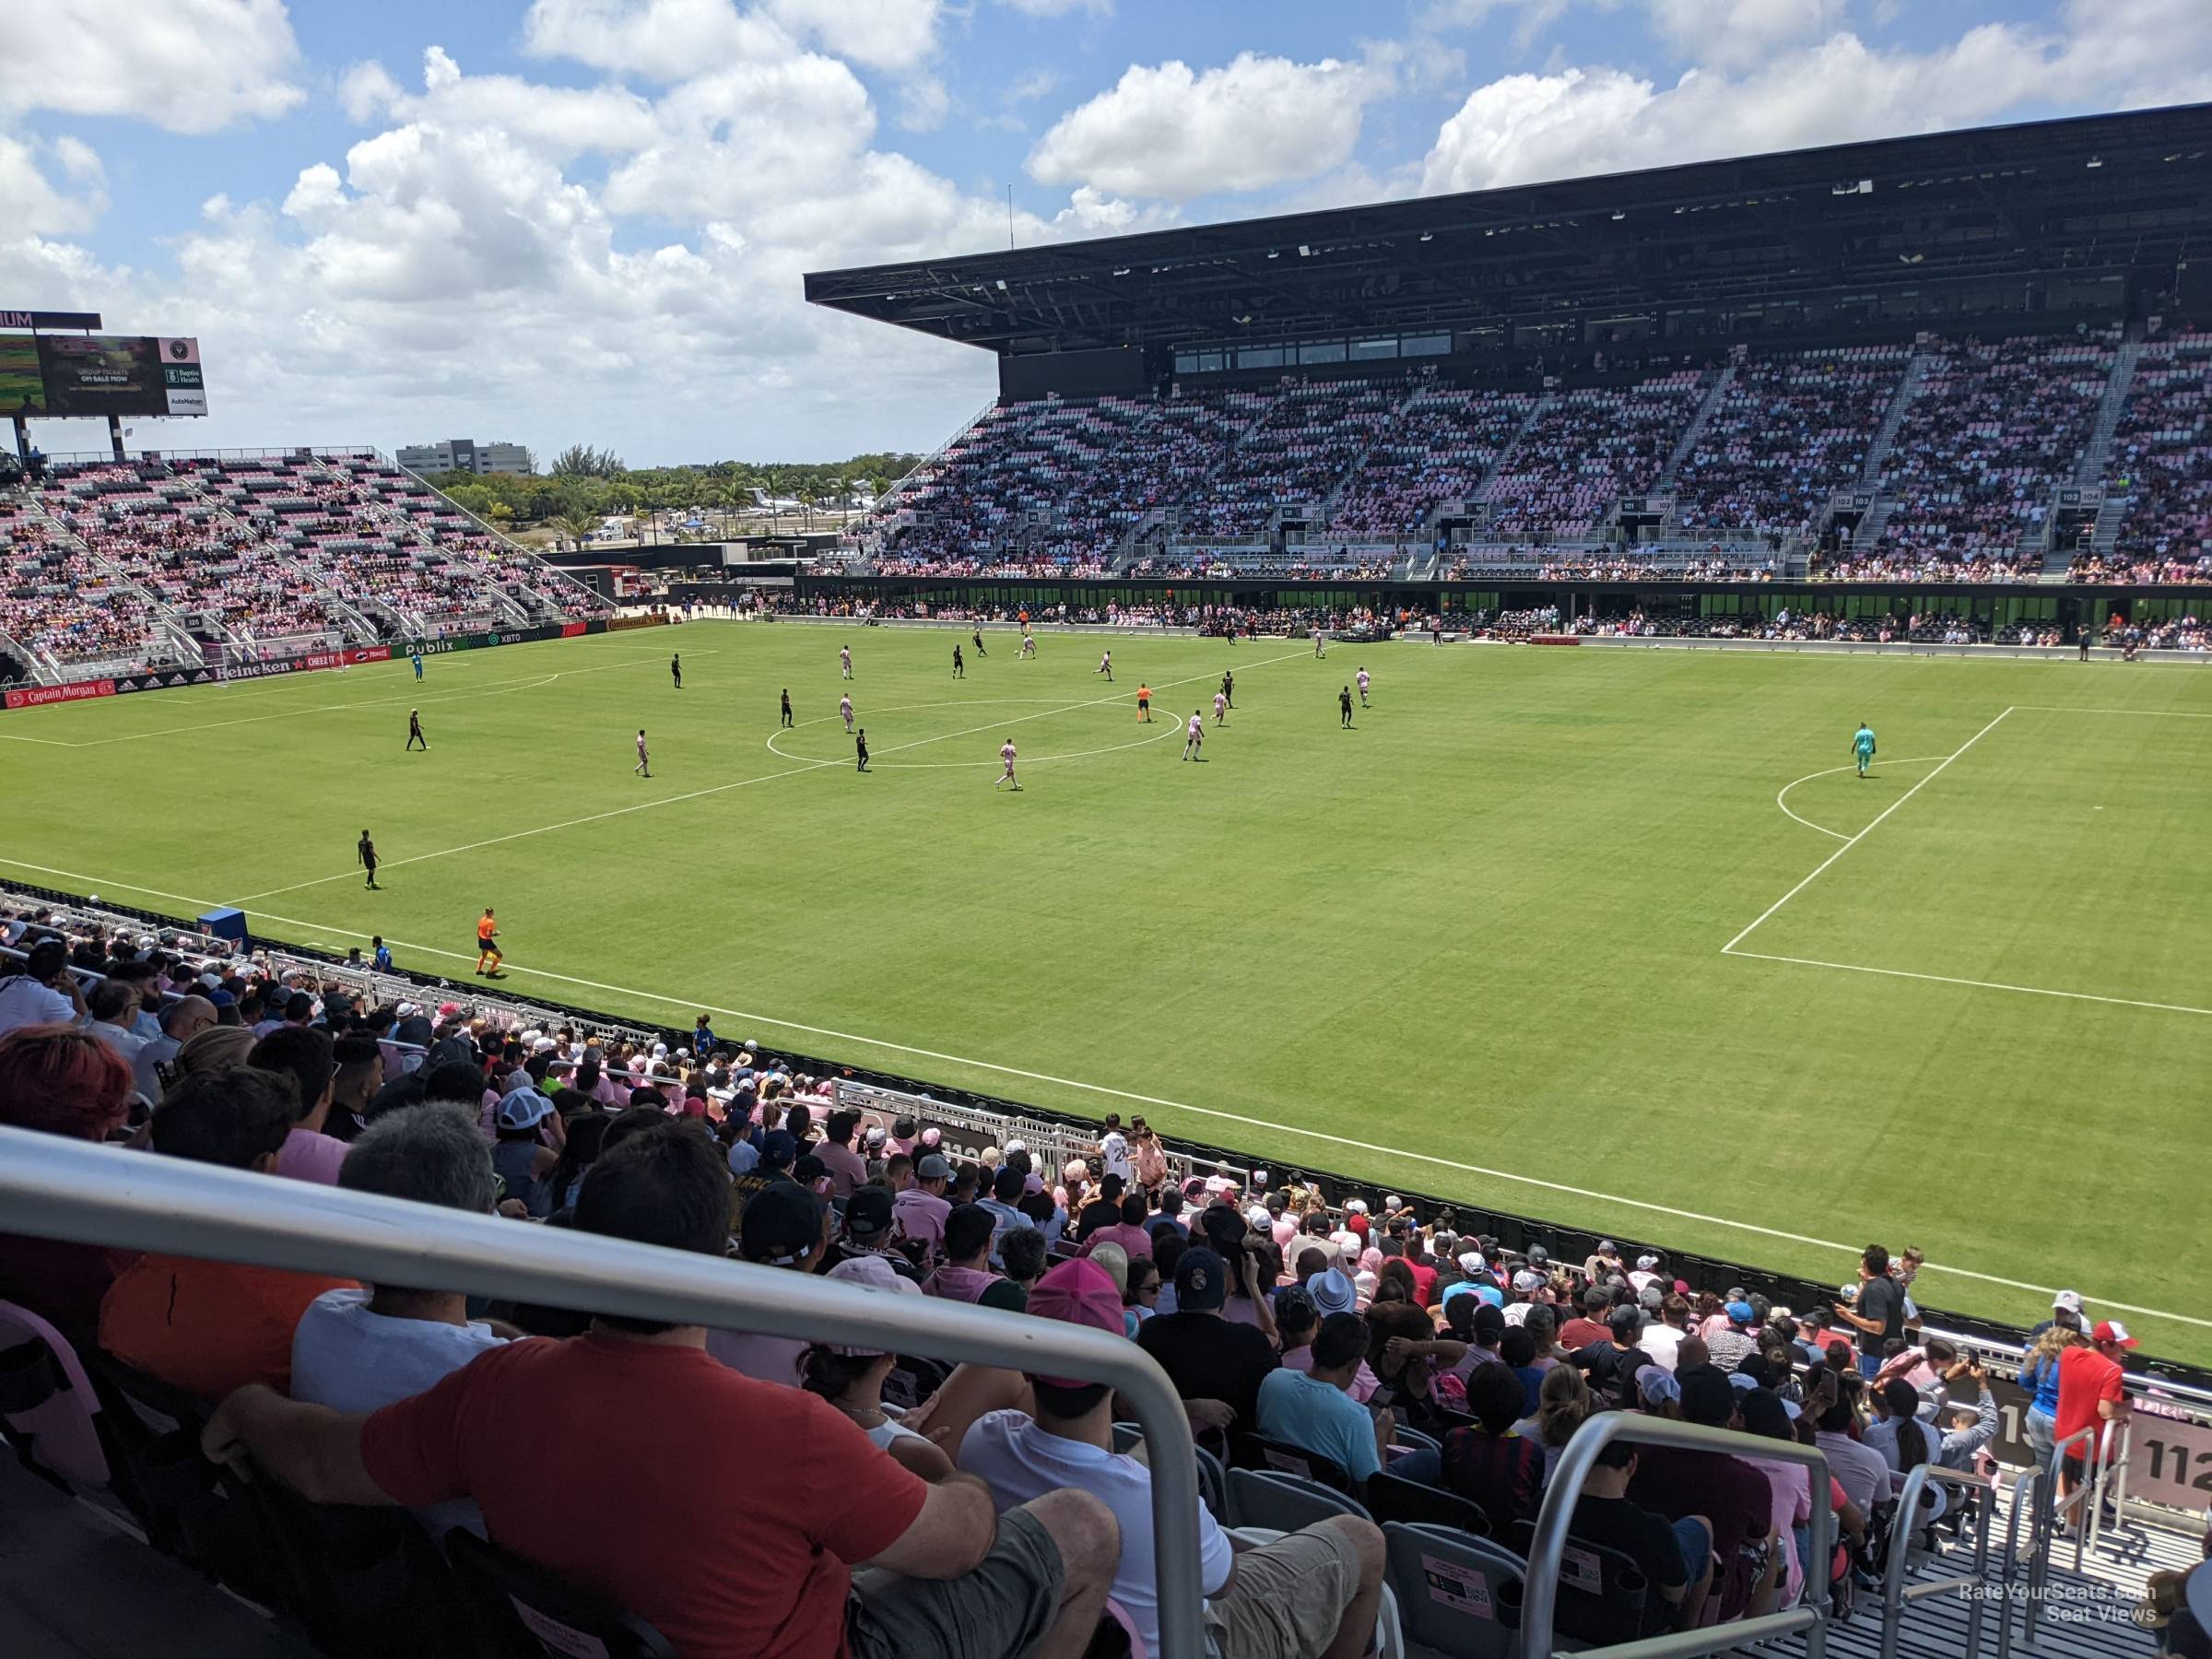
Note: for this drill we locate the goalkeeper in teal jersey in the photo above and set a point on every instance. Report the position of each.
(1861, 746)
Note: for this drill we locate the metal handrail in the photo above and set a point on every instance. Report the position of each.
(1895, 1593)
(1565, 1489)
(2024, 1496)
(57, 1188)
(2048, 1510)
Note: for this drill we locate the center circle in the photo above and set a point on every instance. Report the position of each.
(1167, 728)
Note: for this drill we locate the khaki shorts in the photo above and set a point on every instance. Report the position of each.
(1001, 1609)
(1287, 1598)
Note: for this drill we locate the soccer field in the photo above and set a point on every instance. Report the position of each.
(1612, 937)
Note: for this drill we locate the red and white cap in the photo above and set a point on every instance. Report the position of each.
(2112, 1331)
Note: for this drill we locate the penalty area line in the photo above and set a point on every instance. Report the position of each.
(1945, 979)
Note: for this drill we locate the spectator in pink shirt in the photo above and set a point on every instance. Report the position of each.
(303, 1056)
(848, 1170)
(1128, 1233)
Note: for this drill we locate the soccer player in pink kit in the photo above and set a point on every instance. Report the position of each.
(844, 707)
(844, 660)
(1220, 708)
(644, 766)
(1361, 677)
(1005, 753)
(1193, 735)
(1106, 668)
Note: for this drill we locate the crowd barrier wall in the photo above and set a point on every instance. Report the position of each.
(169, 679)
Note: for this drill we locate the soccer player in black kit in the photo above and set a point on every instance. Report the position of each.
(676, 671)
(977, 635)
(959, 669)
(1229, 688)
(786, 705)
(1343, 705)
(366, 851)
(415, 731)
(860, 748)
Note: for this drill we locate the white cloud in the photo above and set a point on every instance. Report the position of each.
(1741, 32)
(1167, 131)
(662, 39)
(882, 34)
(366, 90)
(30, 202)
(1059, 8)
(1600, 119)
(923, 103)
(188, 66)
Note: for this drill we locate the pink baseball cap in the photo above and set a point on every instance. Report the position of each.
(1078, 1292)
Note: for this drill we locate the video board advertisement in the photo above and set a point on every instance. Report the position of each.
(120, 374)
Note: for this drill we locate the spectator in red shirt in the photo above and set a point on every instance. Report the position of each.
(1591, 1326)
(745, 1506)
(205, 1326)
(2091, 1392)
(61, 1080)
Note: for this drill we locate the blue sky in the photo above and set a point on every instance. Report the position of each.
(586, 220)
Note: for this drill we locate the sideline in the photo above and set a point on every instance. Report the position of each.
(1268, 1125)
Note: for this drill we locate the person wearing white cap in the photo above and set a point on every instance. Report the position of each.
(851, 1379)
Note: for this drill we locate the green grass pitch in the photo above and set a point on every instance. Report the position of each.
(1496, 931)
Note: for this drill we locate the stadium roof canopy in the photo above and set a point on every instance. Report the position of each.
(2092, 194)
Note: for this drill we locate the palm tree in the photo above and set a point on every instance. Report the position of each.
(579, 522)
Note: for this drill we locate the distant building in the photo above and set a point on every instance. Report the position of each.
(464, 454)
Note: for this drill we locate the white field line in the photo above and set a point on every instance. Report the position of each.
(1945, 979)
(2083, 709)
(1782, 795)
(1729, 949)
(714, 789)
(48, 742)
(499, 687)
(1269, 1125)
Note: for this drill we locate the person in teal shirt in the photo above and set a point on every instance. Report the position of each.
(416, 657)
(1862, 745)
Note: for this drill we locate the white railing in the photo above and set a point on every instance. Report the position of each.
(56, 1188)
(1547, 1550)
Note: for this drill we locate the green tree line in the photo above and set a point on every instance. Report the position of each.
(585, 486)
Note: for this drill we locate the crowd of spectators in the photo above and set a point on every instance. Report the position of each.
(1994, 429)
(1359, 1334)
(1588, 448)
(1439, 448)
(2161, 460)
(253, 555)
(1925, 627)
(1786, 434)
(61, 603)
(1301, 450)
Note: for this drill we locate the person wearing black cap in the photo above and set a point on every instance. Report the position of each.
(784, 1226)
(868, 1232)
(1206, 1356)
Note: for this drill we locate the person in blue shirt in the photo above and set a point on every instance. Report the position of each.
(1861, 746)
(416, 657)
(703, 1038)
(1314, 1409)
(381, 959)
